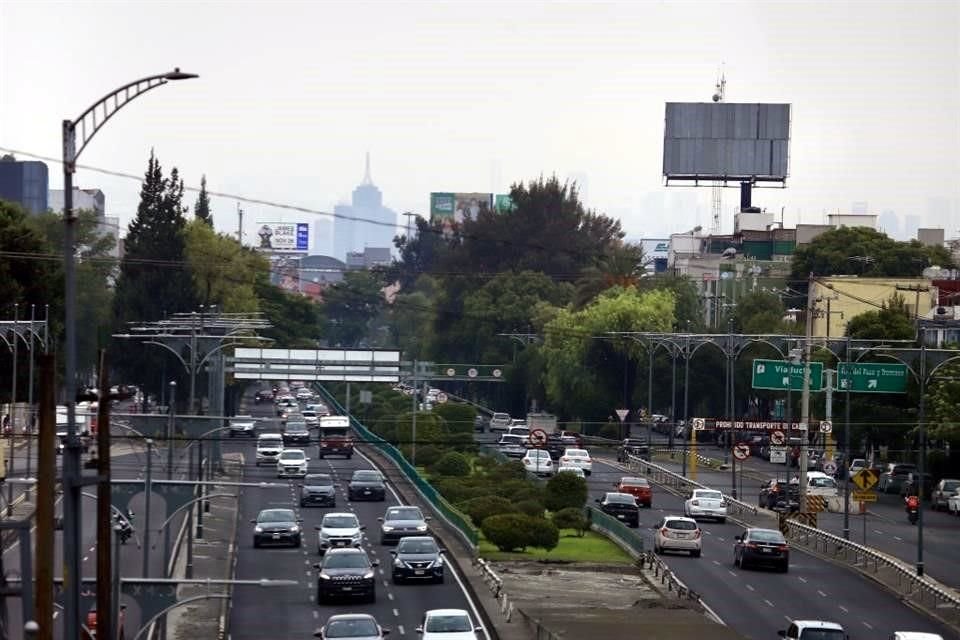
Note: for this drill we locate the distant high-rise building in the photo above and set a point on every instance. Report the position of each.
(25, 183)
(910, 225)
(365, 222)
(890, 224)
(91, 200)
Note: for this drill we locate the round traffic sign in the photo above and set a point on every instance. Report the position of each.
(497, 373)
(778, 438)
(699, 424)
(441, 398)
(826, 426)
(829, 467)
(451, 372)
(471, 372)
(741, 451)
(538, 437)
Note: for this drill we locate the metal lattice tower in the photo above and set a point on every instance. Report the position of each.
(717, 194)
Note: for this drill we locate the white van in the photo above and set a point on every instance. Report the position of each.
(820, 484)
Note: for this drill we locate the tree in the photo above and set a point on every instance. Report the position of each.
(571, 518)
(891, 322)
(202, 209)
(224, 272)
(349, 306)
(759, 312)
(624, 265)
(944, 404)
(295, 319)
(565, 490)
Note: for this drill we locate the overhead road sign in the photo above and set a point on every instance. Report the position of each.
(781, 375)
(871, 377)
(343, 365)
(865, 479)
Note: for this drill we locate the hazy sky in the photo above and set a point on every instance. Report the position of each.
(464, 96)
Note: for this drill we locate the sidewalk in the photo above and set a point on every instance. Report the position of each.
(213, 557)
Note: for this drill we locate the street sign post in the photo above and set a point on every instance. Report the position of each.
(780, 375)
(741, 451)
(778, 455)
(871, 377)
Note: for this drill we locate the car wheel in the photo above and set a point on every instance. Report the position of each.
(722, 520)
(587, 472)
(256, 544)
(696, 553)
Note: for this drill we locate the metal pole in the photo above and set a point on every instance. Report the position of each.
(673, 399)
(845, 382)
(193, 363)
(686, 399)
(13, 413)
(31, 413)
(170, 431)
(828, 452)
(105, 612)
(147, 492)
(923, 449)
(413, 423)
(190, 528)
(46, 481)
(805, 398)
(202, 489)
(115, 583)
(650, 410)
(730, 412)
(72, 525)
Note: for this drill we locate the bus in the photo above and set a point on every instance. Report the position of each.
(334, 436)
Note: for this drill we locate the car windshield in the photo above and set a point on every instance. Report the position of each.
(511, 439)
(576, 453)
(621, 498)
(823, 482)
(366, 476)
(318, 480)
(409, 513)
(276, 515)
(340, 522)
(681, 525)
(767, 536)
(351, 629)
(292, 455)
(536, 453)
(296, 426)
(345, 561)
(448, 624)
(708, 495)
(822, 634)
(417, 546)
(951, 485)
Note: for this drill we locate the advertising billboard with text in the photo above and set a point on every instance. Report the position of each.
(283, 236)
(457, 207)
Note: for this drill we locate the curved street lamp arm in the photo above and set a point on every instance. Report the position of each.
(194, 501)
(120, 98)
(171, 350)
(222, 346)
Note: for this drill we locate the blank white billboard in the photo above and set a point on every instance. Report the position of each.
(338, 365)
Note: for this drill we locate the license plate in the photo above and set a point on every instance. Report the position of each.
(418, 572)
(621, 516)
(366, 492)
(276, 536)
(766, 550)
(347, 588)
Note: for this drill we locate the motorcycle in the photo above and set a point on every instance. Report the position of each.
(913, 512)
(123, 527)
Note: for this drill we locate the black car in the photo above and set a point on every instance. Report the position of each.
(348, 573)
(318, 489)
(296, 433)
(417, 558)
(778, 495)
(621, 506)
(276, 526)
(367, 485)
(758, 547)
(633, 447)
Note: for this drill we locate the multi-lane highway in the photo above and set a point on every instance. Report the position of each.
(292, 612)
(758, 603)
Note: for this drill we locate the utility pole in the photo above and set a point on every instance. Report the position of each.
(46, 481)
(845, 381)
(805, 398)
(413, 424)
(105, 625)
(239, 224)
(147, 492)
(13, 413)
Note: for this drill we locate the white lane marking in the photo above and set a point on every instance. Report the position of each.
(878, 531)
(56, 612)
(750, 587)
(716, 562)
(802, 579)
(844, 609)
(732, 573)
(822, 594)
(769, 603)
(788, 618)
(867, 625)
(898, 538)
(721, 539)
(396, 613)
(390, 596)
(400, 629)
(85, 558)
(453, 572)
(316, 615)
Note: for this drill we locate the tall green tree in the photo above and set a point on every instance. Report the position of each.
(224, 272)
(349, 307)
(202, 209)
(944, 404)
(294, 318)
(622, 265)
(891, 322)
(759, 312)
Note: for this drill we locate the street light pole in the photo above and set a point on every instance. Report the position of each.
(88, 123)
(845, 381)
(922, 419)
(805, 398)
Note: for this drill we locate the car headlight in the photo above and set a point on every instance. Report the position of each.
(368, 575)
(438, 562)
(357, 536)
(324, 576)
(294, 529)
(258, 529)
(324, 535)
(398, 562)
(387, 527)
(421, 527)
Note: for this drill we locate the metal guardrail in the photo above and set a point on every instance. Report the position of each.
(611, 527)
(893, 573)
(668, 578)
(706, 461)
(664, 476)
(495, 584)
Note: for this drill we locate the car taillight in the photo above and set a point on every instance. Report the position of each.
(665, 532)
(783, 547)
(697, 534)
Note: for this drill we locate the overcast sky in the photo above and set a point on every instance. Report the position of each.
(465, 96)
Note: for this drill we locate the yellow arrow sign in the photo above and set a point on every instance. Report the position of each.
(865, 479)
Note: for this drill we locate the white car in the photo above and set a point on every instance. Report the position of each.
(566, 468)
(577, 458)
(292, 463)
(678, 534)
(447, 624)
(953, 504)
(339, 530)
(244, 426)
(538, 462)
(269, 446)
(857, 465)
(304, 394)
(706, 503)
(512, 446)
(813, 630)
(500, 422)
(915, 635)
(310, 417)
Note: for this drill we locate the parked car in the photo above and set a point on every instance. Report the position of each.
(639, 488)
(621, 506)
(401, 521)
(447, 624)
(633, 447)
(318, 489)
(780, 496)
(347, 573)
(269, 446)
(813, 630)
(243, 426)
(500, 422)
(761, 547)
(417, 558)
(894, 476)
(338, 530)
(578, 458)
(675, 533)
(292, 463)
(276, 526)
(706, 503)
(355, 626)
(538, 462)
(367, 485)
(512, 446)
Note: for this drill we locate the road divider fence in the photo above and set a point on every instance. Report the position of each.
(495, 584)
(626, 538)
(664, 476)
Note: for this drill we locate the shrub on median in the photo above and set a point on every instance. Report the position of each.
(479, 509)
(532, 508)
(516, 531)
(565, 490)
(452, 464)
(571, 518)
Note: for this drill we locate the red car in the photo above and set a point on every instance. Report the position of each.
(639, 488)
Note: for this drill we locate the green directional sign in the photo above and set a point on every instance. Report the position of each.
(780, 375)
(872, 377)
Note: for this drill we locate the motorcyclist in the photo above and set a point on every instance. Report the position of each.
(912, 505)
